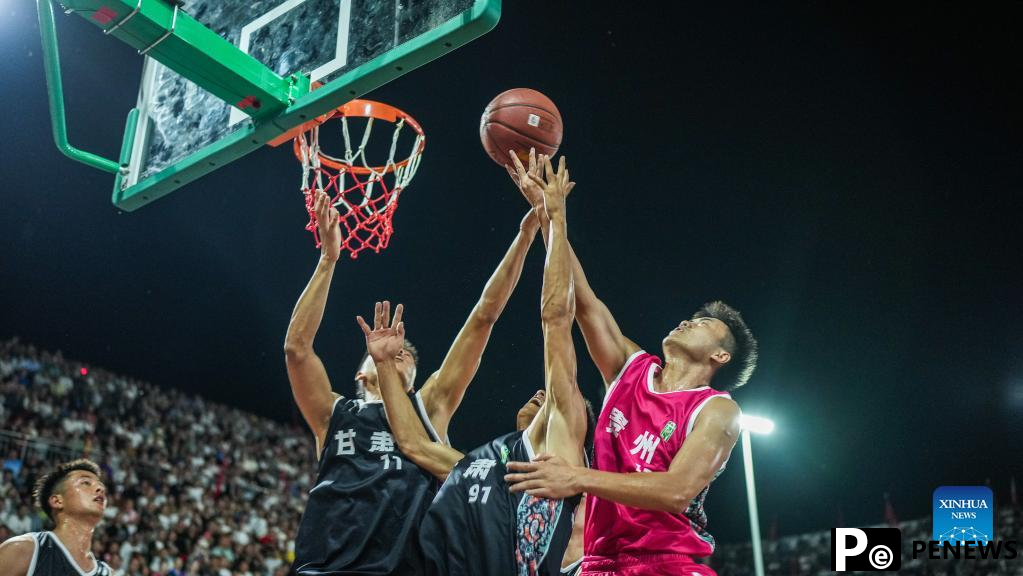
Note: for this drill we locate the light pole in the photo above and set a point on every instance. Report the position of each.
(757, 425)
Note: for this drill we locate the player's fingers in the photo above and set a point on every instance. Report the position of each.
(512, 479)
(401, 331)
(561, 165)
(568, 189)
(543, 457)
(514, 175)
(377, 308)
(542, 493)
(519, 170)
(549, 170)
(536, 179)
(398, 311)
(532, 159)
(363, 325)
(521, 466)
(386, 319)
(524, 486)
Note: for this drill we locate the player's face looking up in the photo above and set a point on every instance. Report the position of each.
(700, 339)
(526, 414)
(404, 362)
(82, 493)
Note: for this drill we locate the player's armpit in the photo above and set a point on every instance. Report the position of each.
(16, 555)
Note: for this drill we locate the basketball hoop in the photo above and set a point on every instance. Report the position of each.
(365, 196)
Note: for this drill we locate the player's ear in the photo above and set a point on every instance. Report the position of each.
(722, 356)
(56, 502)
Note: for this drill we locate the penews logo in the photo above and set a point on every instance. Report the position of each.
(866, 549)
(963, 514)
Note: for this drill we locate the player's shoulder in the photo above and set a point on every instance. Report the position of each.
(16, 553)
(719, 408)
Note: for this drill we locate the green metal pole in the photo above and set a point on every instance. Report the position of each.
(51, 61)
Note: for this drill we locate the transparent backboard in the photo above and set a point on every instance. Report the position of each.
(348, 46)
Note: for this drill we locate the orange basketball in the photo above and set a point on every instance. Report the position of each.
(520, 119)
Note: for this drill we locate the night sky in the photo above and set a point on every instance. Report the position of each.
(847, 175)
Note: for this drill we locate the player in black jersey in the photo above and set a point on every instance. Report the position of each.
(475, 526)
(74, 497)
(364, 511)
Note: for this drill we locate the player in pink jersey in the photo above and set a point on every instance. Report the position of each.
(663, 435)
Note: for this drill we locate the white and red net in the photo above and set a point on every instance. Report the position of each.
(365, 195)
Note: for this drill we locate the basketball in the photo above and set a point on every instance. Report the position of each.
(520, 119)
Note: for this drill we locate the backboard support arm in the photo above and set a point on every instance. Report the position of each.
(58, 117)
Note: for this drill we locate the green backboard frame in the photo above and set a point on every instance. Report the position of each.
(289, 103)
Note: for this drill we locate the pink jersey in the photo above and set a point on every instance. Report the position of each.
(640, 430)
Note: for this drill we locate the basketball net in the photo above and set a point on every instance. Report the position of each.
(365, 196)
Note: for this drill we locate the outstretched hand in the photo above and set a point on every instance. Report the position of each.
(327, 222)
(520, 176)
(547, 476)
(387, 338)
(556, 187)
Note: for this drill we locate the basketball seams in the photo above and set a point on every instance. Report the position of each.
(554, 113)
(520, 133)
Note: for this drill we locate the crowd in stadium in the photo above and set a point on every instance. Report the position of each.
(204, 489)
(196, 488)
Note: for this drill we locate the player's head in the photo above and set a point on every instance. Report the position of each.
(529, 410)
(716, 335)
(406, 362)
(73, 489)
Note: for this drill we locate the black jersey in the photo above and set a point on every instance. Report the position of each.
(51, 558)
(364, 511)
(476, 527)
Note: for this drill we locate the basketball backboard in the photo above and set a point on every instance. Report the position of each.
(347, 47)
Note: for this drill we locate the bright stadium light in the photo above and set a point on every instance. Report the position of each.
(756, 425)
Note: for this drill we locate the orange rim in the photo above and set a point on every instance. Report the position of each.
(363, 109)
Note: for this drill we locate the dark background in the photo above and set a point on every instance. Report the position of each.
(844, 173)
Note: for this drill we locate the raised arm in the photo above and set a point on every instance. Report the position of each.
(704, 452)
(308, 377)
(608, 347)
(384, 342)
(444, 390)
(563, 416)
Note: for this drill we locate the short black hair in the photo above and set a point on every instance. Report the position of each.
(741, 345)
(53, 481)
